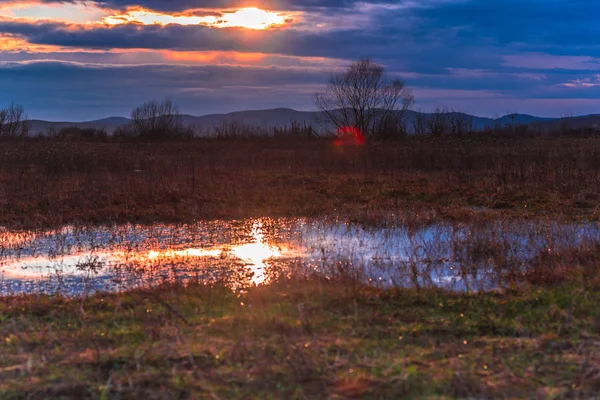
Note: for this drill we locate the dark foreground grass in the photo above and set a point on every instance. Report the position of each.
(50, 183)
(304, 340)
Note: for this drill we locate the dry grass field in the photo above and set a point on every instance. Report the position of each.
(46, 182)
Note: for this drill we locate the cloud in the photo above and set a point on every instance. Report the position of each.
(251, 18)
(183, 5)
(492, 55)
(86, 91)
(541, 61)
(341, 44)
(590, 82)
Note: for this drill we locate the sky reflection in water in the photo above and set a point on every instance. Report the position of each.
(76, 261)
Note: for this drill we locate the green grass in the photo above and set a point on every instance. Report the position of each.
(302, 339)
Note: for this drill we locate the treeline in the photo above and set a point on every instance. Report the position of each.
(359, 102)
(224, 131)
(155, 120)
(446, 122)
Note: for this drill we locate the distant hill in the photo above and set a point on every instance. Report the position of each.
(522, 119)
(284, 117)
(584, 121)
(109, 124)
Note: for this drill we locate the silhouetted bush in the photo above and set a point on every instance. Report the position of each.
(156, 121)
(13, 122)
(77, 133)
(236, 129)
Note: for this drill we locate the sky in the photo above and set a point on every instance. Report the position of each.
(82, 60)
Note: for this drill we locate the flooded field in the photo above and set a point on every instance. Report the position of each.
(464, 257)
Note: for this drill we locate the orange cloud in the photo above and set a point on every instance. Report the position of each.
(250, 18)
(15, 44)
(213, 57)
(12, 44)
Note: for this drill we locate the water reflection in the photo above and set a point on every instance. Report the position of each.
(255, 254)
(79, 260)
(129, 256)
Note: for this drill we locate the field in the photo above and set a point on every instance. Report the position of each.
(301, 340)
(304, 336)
(49, 183)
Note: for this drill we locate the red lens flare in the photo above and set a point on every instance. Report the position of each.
(349, 136)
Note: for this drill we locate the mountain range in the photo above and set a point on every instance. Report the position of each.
(284, 117)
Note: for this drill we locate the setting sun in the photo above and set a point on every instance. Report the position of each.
(250, 18)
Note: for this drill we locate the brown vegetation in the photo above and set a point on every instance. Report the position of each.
(305, 336)
(50, 182)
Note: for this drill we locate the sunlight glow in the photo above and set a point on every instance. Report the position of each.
(250, 255)
(16, 44)
(221, 57)
(153, 254)
(255, 254)
(250, 18)
(37, 268)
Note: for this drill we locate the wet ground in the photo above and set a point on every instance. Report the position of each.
(82, 260)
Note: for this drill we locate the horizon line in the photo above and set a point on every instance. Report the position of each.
(313, 111)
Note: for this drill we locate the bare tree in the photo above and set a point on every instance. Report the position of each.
(437, 122)
(460, 123)
(365, 98)
(420, 123)
(565, 123)
(13, 122)
(154, 120)
(237, 129)
(512, 123)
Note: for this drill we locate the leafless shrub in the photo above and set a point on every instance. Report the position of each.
(296, 129)
(76, 133)
(460, 123)
(420, 123)
(236, 129)
(443, 121)
(437, 122)
(13, 122)
(153, 120)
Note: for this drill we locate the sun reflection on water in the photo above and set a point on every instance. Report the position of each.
(252, 255)
(242, 253)
(255, 254)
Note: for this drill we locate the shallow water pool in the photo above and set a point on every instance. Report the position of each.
(82, 260)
